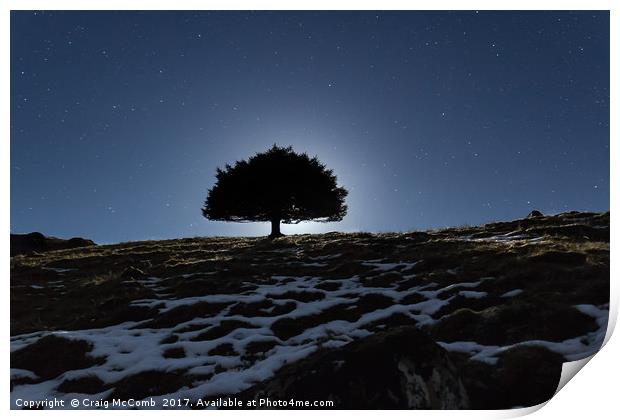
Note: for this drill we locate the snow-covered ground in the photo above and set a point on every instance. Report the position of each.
(129, 348)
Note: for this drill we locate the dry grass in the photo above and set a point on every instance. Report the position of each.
(563, 263)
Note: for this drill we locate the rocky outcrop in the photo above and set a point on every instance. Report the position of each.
(30, 243)
(399, 369)
(534, 214)
(524, 376)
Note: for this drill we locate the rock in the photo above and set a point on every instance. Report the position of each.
(29, 243)
(529, 375)
(534, 214)
(399, 369)
(418, 237)
(79, 242)
(524, 376)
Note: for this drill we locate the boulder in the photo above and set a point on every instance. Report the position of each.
(399, 369)
(79, 242)
(29, 243)
(534, 214)
(524, 376)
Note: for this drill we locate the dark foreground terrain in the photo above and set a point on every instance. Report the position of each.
(472, 317)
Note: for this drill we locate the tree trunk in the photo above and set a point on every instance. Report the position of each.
(275, 228)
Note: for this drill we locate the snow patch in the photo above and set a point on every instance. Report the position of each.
(512, 293)
(473, 295)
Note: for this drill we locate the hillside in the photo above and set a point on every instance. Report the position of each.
(469, 317)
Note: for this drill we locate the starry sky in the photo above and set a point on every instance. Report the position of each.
(429, 119)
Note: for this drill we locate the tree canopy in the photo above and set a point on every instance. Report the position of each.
(274, 186)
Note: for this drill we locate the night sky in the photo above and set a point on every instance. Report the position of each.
(429, 119)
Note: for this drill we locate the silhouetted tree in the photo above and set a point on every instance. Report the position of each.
(276, 186)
